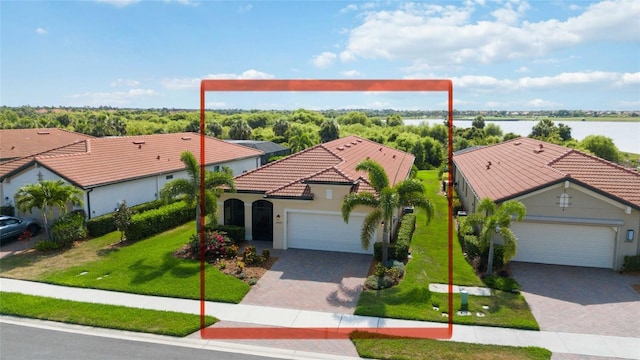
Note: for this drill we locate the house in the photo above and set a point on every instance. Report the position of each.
(112, 169)
(295, 202)
(581, 210)
(20, 143)
(269, 148)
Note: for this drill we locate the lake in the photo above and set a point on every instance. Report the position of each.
(626, 135)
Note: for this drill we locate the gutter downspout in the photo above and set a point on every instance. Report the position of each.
(89, 203)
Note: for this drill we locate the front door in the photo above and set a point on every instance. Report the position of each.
(262, 220)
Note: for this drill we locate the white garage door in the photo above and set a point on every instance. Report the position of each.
(325, 232)
(561, 244)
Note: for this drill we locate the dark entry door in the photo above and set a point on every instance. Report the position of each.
(262, 220)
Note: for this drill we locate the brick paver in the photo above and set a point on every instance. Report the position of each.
(581, 300)
(312, 280)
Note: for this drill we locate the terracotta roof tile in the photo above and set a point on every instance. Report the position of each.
(19, 143)
(116, 159)
(515, 167)
(9, 166)
(332, 162)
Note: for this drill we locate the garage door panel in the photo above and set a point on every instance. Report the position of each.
(325, 232)
(565, 244)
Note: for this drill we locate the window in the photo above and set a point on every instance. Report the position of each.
(564, 201)
(216, 168)
(329, 194)
(169, 177)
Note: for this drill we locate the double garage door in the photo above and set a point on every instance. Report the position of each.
(323, 231)
(564, 244)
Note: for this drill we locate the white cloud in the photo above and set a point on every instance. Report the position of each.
(118, 3)
(216, 105)
(630, 79)
(323, 60)
(347, 56)
(541, 104)
(115, 98)
(245, 8)
(41, 31)
(351, 73)
(445, 35)
(522, 69)
(125, 82)
(194, 83)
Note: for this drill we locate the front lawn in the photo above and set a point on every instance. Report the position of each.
(377, 346)
(99, 315)
(145, 267)
(411, 299)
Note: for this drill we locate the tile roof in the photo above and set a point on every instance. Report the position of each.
(515, 167)
(116, 159)
(331, 162)
(19, 143)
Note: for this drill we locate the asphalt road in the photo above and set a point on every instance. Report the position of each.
(24, 342)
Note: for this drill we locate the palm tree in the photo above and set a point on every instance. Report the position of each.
(190, 188)
(491, 219)
(47, 195)
(385, 202)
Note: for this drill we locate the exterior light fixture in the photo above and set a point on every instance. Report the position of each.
(630, 235)
(278, 217)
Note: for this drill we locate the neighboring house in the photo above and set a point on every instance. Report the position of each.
(581, 210)
(296, 201)
(269, 148)
(20, 143)
(132, 168)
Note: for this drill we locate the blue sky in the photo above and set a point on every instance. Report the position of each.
(501, 55)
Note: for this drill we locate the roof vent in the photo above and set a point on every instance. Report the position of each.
(354, 143)
(380, 149)
(347, 145)
(359, 140)
(394, 156)
(13, 147)
(488, 165)
(340, 148)
(541, 146)
(186, 138)
(158, 157)
(517, 143)
(139, 142)
(43, 133)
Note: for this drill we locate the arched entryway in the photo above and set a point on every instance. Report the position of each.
(262, 223)
(234, 212)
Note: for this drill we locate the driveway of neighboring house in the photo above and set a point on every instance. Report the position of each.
(18, 246)
(311, 280)
(581, 300)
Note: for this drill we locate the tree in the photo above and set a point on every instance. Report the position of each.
(601, 146)
(478, 122)
(280, 127)
(385, 203)
(190, 188)
(214, 128)
(394, 120)
(240, 130)
(490, 220)
(493, 130)
(543, 129)
(122, 219)
(329, 130)
(300, 142)
(46, 196)
(564, 131)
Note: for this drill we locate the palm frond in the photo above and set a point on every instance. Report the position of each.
(369, 227)
(377, 176)
(354, 199)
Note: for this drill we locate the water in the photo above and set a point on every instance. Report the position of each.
(626, 135)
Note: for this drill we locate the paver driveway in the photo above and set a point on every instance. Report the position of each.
(581, 300)
(312, 280)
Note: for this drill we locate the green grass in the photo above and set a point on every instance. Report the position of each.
(381, 347)
(411, 299)
(98, 315)
(149, 267)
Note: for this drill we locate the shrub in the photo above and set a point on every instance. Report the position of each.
(253, 281)
(399, 267)
(250, 255)
(631, 263)
(380, 270)
(377, 283)
(216, 245)
(398, 251)
(158, 220)
(7, 210)
(406, 229)
(508, 284)
(235, 233)
(266, 253)
(69, 228)
(48, 245)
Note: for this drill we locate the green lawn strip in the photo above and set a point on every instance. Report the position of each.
(149, 267)
(376, 346)
(411, 299)
(99, 315)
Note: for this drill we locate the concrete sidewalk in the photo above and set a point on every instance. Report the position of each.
(557, 342)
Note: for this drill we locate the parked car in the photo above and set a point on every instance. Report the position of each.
(12, 227)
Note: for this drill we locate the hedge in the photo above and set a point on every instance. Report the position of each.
(400, 249)
(105, 224)
(235, 233)
(8, 210)
(69, 228)
(158, 220)
(631, 263)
